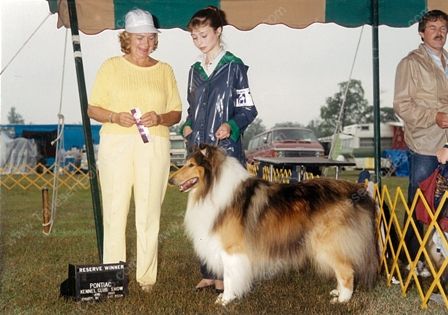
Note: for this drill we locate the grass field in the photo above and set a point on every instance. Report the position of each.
(33, 265)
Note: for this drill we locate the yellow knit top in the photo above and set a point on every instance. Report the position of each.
(120, 86)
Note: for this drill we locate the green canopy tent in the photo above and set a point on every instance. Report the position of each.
(95, 16)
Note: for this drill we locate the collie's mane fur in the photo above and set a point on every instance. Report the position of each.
(245, 228)
(212, 173)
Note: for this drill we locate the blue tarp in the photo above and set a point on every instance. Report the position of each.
(399, 159)
(73, 133)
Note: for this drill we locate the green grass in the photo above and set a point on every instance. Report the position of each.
(33, 265)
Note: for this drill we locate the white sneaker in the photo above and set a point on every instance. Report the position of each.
(436, 297)
(421, 271)
(424, 273)
(395, 281)
(146, 287)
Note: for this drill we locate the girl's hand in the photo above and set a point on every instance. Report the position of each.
(223, 131)
(187, 131)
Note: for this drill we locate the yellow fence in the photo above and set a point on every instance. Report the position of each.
(390, 223)
(39, 176)
(390, 227)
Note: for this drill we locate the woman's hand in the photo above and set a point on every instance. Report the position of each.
(187, 131)
(151, 119)
(123, 119)
(103, 115)
(223, 131)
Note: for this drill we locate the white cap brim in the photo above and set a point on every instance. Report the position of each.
(142, 29)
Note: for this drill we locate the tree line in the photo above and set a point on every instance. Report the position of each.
(355, 104)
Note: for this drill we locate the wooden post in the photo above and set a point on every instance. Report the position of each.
(46, 214)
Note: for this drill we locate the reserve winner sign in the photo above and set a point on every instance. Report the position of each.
(95, 282)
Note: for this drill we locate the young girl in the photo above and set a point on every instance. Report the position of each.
(220, 102)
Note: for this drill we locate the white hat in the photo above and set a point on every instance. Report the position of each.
(139, 21)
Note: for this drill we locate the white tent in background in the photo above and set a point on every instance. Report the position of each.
(17, 155)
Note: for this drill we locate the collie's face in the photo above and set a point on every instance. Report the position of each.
(200, 171)
(191, 174)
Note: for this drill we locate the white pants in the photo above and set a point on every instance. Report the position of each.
(125, 162)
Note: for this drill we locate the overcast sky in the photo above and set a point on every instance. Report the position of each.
(291, 73)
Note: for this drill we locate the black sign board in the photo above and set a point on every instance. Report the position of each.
(95, 282)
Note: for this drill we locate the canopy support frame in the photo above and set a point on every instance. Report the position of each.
(93, 174)
(376, 91)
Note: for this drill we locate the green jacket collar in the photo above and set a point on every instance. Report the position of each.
(227, 58)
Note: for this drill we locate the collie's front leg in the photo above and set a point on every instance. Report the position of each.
(237, 277)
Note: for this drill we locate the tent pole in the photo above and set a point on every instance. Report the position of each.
(376, 91)
(94, 188)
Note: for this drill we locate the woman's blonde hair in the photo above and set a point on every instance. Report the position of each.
(125, 42)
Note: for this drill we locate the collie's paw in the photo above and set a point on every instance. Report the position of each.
(342, 296)
(334, 292)
(221, 300)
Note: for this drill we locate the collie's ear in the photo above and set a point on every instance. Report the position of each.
(205, 149)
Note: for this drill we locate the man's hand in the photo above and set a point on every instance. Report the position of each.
(442, 120)
(442, 155)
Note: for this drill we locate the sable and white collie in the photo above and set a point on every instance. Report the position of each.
(245, 228)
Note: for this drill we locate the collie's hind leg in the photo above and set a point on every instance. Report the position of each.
(237, 277)
(329, 259)
(345, 278)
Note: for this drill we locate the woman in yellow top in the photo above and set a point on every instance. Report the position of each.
(134, 151)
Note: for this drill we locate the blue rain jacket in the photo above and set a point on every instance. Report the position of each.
(224, 97)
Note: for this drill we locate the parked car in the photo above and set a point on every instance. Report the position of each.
(178, 151)
(285, 142)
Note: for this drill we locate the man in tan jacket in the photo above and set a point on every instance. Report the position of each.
(421, 100)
